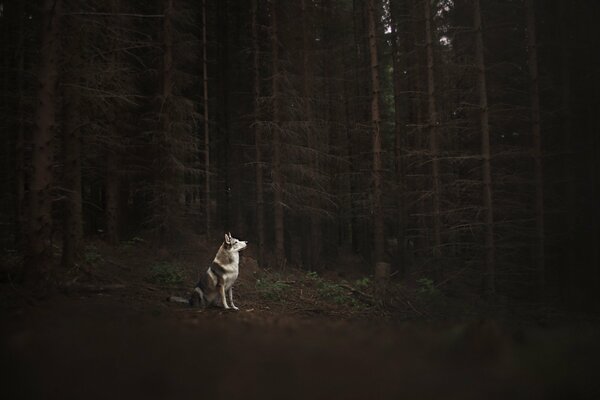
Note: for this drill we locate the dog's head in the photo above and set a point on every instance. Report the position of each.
(233, 244)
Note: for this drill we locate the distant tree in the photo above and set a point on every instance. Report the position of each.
(432, 124)
(378, 226)
(71, 143)
(490, 272)
(207, 203)
(19, 162)
(536, 134)
(258, 157)
(399, 40)
(276, 140)
(39, 230)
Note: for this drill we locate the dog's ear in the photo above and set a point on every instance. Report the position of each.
(227, 238)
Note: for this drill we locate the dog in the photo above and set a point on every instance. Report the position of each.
(218, 279)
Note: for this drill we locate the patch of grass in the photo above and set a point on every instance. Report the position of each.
(333, 292)
(429, 293)
(165, 273)
(363, 283)
(271, 289)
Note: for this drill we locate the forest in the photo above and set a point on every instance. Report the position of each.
(386, 160)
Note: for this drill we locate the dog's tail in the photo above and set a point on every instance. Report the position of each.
(178, 299)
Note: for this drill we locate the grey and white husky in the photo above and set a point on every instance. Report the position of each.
(219, 278)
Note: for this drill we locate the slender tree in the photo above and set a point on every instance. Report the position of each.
(540, 257)
(260, 203)
(206, 122)
(276, 141)
(489, 275)
(433, 134)
(164, 193)
(19, 163)
(71, 141)
(399, 131)
(39, 230)
(307, 87)
(567, 126)
(378, 234)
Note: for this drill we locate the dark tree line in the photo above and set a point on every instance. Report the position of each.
(455, 140)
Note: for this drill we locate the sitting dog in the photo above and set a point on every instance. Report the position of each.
(219, 277)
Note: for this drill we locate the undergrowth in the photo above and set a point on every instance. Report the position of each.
(272, 287)
(165, 273)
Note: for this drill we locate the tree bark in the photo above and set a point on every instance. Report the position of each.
(399, 139)
(540, 258)
(376, 135)
(424, 239)
(276, 162)
(260, 203)
(433, 140)
(112, 197)
(307, 80)
(207, 205)
(20, 139)
(566, 274)
(72, 217)
(39, 230)
(490, 269)
(166, 191)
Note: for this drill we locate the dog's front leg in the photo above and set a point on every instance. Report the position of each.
(223, 298)
(231, 298)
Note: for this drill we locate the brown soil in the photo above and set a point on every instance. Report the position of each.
(110, 333)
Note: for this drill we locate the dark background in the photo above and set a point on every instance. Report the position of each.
(386, 140)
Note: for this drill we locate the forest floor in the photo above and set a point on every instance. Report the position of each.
(107, 331)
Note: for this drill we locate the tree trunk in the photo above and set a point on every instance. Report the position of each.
(490, 269)
(112, 198)
(276, 162)
(72, 217)
(433, 142)
(375, 125)
(39, 231)
(307, 80)
(166, 195)
(226, 157)
(260, 203)
(20, 139)
(566, 275)
(207, 209)
(424, 239)
(540, 257)
(399, 140)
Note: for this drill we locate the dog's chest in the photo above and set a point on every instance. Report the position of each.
(230, 276)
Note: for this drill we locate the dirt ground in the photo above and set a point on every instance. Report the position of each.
(109, 333)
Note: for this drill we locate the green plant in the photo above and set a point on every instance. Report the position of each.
(333, 292)
(271, 289)
(426, 286)
(362, 283)
(312, 275)
(166, 273)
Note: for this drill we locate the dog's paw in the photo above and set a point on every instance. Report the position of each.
(235, 308)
